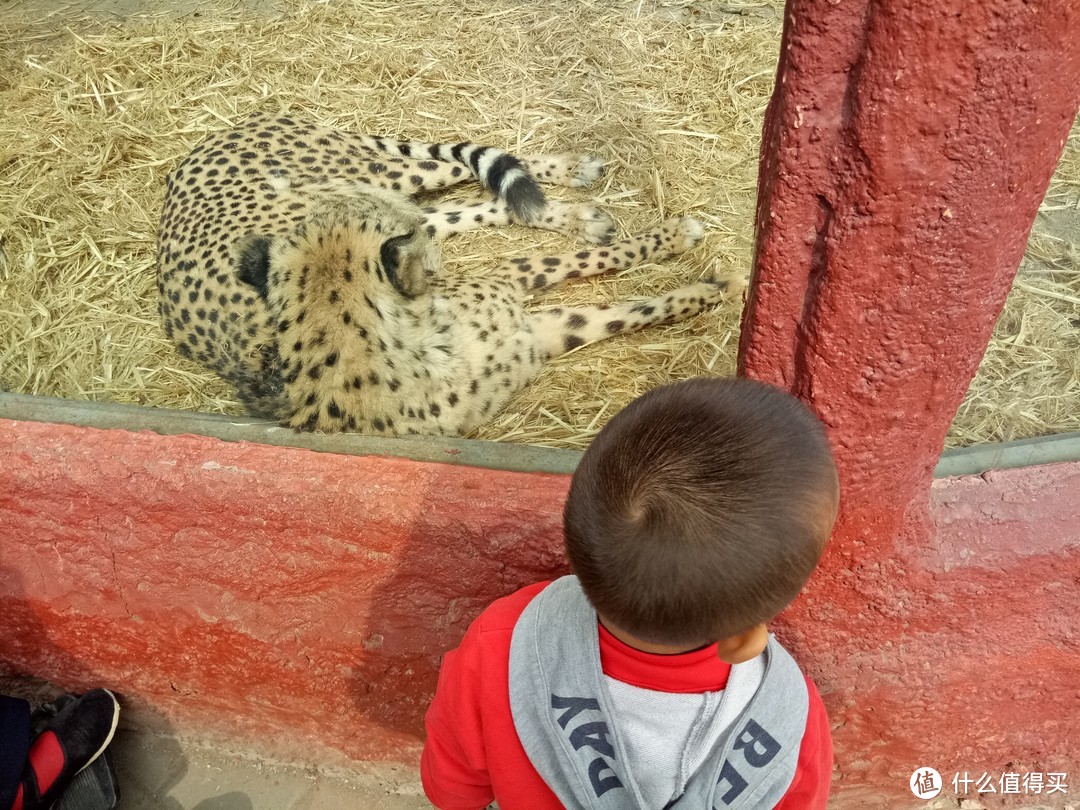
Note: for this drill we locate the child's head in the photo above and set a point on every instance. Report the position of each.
(700, 510)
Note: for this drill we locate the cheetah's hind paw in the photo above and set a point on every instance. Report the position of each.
(589, 169)
(732, 285)
(688, 232)
(594, 225)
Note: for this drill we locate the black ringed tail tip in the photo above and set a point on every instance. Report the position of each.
(498, 171)
(525, 199)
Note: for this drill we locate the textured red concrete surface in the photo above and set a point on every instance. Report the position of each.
(301, 601)
(906, 149)
(960, 652)
(277, 594)
(905, 152)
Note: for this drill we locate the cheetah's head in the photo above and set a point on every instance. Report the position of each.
(340, 286)
(361, 243)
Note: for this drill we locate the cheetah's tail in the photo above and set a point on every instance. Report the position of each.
(499, 172)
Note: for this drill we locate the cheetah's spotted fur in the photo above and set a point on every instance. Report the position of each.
(294, 264)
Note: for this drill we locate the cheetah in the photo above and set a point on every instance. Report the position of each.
(293, 262)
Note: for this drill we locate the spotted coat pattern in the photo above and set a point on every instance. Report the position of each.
(293, 262)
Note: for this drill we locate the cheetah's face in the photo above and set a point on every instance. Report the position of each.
(356, 243)
(361, 235)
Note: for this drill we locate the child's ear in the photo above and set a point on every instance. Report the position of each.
(744, 646)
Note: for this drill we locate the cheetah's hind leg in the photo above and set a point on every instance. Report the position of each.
(540, 272)
(570, 170)
(586, 222)
(563, 329)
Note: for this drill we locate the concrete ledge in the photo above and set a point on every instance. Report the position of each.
(112, 416)
(981, 458)
(468, 452)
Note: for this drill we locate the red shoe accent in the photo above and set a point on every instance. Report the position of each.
(18, 799)
(47, 760)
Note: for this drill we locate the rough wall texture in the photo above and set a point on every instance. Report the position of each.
(296, 597)
(905, 152)
(959, 653)
(906, 149)
(301, 601)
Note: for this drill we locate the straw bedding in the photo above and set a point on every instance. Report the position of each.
(670, 93)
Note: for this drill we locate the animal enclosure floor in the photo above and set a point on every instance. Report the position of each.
(103, 97)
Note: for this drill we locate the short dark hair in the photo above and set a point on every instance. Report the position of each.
(701, 509)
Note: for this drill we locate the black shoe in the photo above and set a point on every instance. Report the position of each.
(70, 741)
(95, 788)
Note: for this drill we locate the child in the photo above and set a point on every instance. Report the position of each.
(649, 680)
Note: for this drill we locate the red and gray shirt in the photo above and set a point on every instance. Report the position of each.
(474, 753)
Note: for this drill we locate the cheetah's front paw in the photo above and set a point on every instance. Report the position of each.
(592, 224)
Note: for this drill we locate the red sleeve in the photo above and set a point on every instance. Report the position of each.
(810, 788)
(453, 767)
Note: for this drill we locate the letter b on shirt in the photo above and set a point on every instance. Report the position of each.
(758, 748)
(757, 745)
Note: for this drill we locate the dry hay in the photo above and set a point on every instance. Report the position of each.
(671, 93)
(1028, 383)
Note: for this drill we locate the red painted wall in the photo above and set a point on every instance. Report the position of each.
(301, 601)
(905, 152)
(295, 597)
(960, 652)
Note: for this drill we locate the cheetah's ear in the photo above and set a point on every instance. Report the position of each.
(406, 261)
(251, 255)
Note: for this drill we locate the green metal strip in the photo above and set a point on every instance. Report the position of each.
(112, 416)
(469, 452)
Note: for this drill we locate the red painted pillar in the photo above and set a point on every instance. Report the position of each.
(905, 152)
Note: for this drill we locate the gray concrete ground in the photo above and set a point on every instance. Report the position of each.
(174, 770)
(169, 773)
